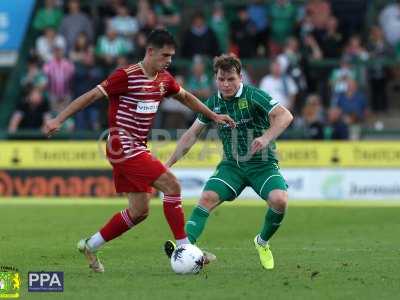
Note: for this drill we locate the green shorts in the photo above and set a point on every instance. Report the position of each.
(229, 180)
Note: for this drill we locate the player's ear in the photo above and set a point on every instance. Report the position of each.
(150, 50)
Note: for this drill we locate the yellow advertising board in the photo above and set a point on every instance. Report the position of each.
(294, 154)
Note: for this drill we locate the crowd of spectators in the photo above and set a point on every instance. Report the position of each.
(77, 46)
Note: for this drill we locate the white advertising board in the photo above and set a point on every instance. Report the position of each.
(314, 184)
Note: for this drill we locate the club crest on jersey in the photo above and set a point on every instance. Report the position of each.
(217, 109)
(162, 88)
(243, 104)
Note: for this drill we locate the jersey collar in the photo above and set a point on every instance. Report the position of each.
(238, 93)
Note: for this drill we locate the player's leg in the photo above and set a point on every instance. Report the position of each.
(267, 181)
(172, 205)
(224, 185)
(195, 225)
(277, 202)
(119, 223)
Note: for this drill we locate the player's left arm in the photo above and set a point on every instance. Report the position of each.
(280, 118)
(196, 105)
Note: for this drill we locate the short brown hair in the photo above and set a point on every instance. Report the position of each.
(227, 62)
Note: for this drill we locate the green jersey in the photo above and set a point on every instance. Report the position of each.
(250, 109)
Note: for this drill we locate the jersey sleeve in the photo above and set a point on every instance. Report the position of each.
(201, 117)
(264, 101)
(115, 84)
(173, 86)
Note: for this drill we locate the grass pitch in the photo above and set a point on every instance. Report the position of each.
(345, 251)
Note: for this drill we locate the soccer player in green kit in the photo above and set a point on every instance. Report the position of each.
(249, 154)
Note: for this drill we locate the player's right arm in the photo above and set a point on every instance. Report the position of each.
(115, 84)
(186, 142)
(53, 125)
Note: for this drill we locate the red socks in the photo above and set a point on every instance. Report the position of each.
(174, 214)
(117, 225)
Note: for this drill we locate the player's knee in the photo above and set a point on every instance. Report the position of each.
(173, 186)
(209, 200)
(278, 199)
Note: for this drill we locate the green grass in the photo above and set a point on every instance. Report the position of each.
(333, 251)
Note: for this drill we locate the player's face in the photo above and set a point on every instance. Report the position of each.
(162, 57)
(228, 83)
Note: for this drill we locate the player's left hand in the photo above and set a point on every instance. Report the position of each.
(258, 144)
(225, 119)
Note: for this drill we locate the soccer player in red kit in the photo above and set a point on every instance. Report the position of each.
(134, 95)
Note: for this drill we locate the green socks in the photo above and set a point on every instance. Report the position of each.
(273, 220)
(196, 223)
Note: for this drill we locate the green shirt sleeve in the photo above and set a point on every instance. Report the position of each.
(202, 118)
(264, 101)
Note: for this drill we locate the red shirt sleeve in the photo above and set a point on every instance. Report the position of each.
(173, 86)
(115, 84)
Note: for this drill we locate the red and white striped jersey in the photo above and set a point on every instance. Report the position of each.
(134, 101)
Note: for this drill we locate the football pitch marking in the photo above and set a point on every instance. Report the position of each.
(156, 202)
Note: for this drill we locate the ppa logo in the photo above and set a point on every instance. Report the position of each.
(46, 281)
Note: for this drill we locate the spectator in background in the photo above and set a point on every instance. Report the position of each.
(354, 49)
(312, 118)
(168, 15)
(31, 113)
(339, 77)
(86, 76)
(311, 48)
(319, 12)
(199, 39)
(331, 41)
(123, 23)
(150, 24)
(81, 49)
(59, 72)
(290, 61)
(389, 19)
(110, 46)
(199, 83)
(46, 43)
(244, 34)
(48, 16)
(353, 103)
(283, 16)
(175, 114)
(74, 23)
(336, 128)
(258, 15)
(378, 50)
(280, 87)
(357, 54)
(33, 77)
(140, 45)
(143, 11)
(220, 26)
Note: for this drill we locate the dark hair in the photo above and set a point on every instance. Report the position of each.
(227, 62)
(159, 38)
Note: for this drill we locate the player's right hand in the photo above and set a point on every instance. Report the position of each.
(51, 127)
(225, 119)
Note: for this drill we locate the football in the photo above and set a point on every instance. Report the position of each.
(187, 259)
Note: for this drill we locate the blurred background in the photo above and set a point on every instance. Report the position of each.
(334, 64)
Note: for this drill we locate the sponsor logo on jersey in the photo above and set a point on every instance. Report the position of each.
(147, 107)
